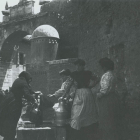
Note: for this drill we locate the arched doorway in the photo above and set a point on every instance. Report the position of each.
(14, 39)
(9, 53)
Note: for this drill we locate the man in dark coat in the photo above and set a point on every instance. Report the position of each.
(11, 106)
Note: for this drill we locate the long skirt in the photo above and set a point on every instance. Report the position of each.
(10, 111)
(85, 133)
(109, 117)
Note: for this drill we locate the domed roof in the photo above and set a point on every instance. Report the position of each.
(45, 31)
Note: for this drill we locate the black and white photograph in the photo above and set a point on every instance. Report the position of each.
(69, 69)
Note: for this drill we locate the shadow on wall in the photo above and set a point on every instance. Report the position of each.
(7, 49)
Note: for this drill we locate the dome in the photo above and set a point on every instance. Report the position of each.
(45, 31)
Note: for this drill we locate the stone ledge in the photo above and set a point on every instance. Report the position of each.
(62, 61)
(45, 133)
(23, 18)
(39, 128)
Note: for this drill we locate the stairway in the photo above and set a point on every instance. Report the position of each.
(3, 70)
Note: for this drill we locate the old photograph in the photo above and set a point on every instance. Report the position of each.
(69, 70)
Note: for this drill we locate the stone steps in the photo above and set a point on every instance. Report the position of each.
(2, 77)
(3, 70)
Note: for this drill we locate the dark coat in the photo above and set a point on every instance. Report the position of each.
(11, 106)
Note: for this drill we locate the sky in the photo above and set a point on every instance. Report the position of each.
(15, 2)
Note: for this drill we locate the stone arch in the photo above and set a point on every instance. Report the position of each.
(7, 48)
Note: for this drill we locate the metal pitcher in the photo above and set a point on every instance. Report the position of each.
(61, 114)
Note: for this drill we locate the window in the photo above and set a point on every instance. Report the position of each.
(21, 58)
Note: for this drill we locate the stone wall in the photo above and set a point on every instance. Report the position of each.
(94, 27)
(40, 76)
(105, 28)
(54, 82)
(22, 10)
(46, 77)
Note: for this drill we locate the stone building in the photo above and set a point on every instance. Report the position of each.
(88, 29)
(27, 44)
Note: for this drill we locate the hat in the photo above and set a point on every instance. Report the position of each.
(66, 72)
(80, 62)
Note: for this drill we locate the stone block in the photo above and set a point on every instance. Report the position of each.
(29, 7)
(13, 11)
(22, 9)
(45, 133)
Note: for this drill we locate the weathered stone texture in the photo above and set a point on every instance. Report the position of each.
(22, 10)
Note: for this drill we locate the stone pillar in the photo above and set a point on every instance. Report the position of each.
(43, 49)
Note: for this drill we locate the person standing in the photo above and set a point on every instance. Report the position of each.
(11, 106)
(66, 79)
(108, 102)
(84, 117)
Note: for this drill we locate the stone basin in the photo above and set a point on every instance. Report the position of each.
(41, 133)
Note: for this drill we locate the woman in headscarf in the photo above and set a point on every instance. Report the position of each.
(84, 118)
(108, 102)
(11, 106)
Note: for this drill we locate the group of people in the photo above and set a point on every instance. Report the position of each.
(89, 113)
